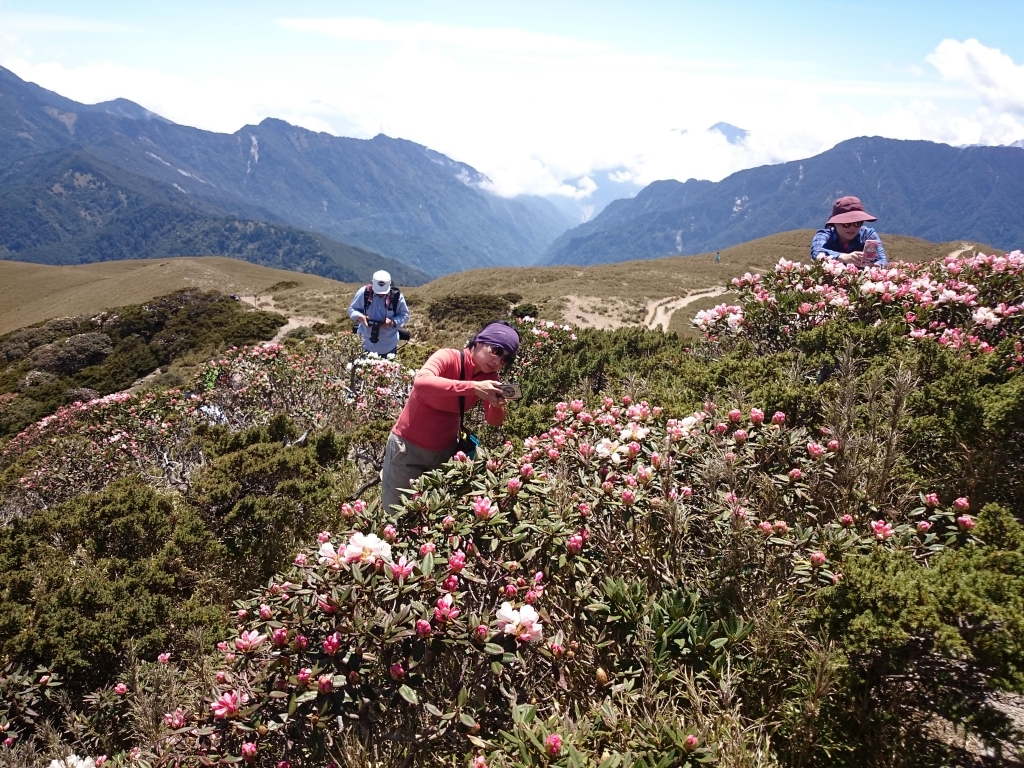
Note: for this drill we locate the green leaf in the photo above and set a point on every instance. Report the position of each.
(467, 719)
(408, 694)
(494, 649)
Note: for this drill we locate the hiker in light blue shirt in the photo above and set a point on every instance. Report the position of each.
(379, 310)
(845, 236)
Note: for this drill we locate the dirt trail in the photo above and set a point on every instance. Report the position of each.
(294, 321)
(660, 311)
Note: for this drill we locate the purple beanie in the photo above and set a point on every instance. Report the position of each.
(502, 335)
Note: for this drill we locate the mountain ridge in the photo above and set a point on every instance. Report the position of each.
(922, 189)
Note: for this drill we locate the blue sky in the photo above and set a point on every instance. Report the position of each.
(549, 97)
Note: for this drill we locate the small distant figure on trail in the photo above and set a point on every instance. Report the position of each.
(846, 239)
(234, 296)
(379, 310)
(451, 382)
(718, 257)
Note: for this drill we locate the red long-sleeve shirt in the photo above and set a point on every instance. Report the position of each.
(430, 418)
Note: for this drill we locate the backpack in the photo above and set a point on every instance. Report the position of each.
(390, 300)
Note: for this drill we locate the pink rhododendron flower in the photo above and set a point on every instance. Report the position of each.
(756, 416)
(299, 642)
(735, 415)
(423, 628)
(766, 527)
(484, 509)
(450, 583)
(553, 745)
(279, 637)
(323, 536)
(962, 504)
(249, 750)
(164, 658)
(686, 492)
(479, 762)
(226, 706)
(247, 642)
(175, 719)
(931, 500)
(817, 559)
(781, 527)
(574, 544)
(816, 450)
(397, 672)
(304, 676)
(514, 485)
(331, 558)
(795, 474)
(265, 612)
(332, 643)
(242, 614)
(222, 677)
(924, 526)
(846, 520)
(457, 561)
(300, 559)
(882, 529)
(445, 609)
(347, 511)
(691, 743)
(427, 548)
(833, 445)
(576, 406)
(460, 457)
(740, 436)
(779, 418)
(390, 533)
(325, 684)
(628, 497)
(120, 689)
(523, 624)
(965, 522)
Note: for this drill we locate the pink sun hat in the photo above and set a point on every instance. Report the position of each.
(847, 210)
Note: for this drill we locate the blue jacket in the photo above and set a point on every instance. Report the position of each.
(826, 242)
(377, 311)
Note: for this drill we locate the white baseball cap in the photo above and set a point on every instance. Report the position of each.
(381, 281)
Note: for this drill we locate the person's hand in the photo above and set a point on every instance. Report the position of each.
(362, 319)
(489, 391)
(388, 321)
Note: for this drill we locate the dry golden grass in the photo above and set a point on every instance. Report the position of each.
(608, 294)
(31, 293)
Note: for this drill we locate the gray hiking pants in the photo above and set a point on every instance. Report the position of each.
(403, 463)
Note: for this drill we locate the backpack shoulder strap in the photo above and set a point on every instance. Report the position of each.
(462, 398)
(367, 297)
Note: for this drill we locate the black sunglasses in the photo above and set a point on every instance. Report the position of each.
(499, 351)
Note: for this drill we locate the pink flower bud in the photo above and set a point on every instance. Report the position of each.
(222, 677)
(300, 559)
(526, 470)
(511, 590)
(279, 637)
(931, 500)
(766, 527)
(924, 526)
(576, 406)
(628, 497)
(299, 642)
(265, 612)
(686, 492)
(817, 559)
(164, 658)
(451, 583)
(691, 743)
(846, 521)
(423, 628)
(242, 614)
(481, 632)
(965, 522)
(427, 548)
(574, 544)
(721, 427)
(323, 537)
(756, 416)
(833, 445)
(781, 527)
(397, 672)
(735, 415)
(779, 418)
(332, 643)
(390, 533)
(120, 689)
(816, 450)
(740, 436)
(304, 676)
(249, 750)
(325, 684)
(962, 504)
(514, 485)
(553, 744)
(347, 511)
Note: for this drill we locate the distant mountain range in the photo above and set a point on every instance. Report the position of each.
(919, 188)
(188, 188)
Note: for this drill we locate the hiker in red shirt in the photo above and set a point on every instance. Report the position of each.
(451, 382)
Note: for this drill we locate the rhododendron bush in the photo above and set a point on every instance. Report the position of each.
(778, 547)
(971, 303)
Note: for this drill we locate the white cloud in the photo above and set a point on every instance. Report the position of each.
(52, 23)
(989, 71)
(495, 41)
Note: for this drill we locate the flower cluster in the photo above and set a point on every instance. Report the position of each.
(964, 302)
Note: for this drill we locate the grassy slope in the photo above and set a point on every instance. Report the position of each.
(30, 293)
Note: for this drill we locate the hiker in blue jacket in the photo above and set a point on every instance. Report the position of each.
(379, 310)
(844, 236)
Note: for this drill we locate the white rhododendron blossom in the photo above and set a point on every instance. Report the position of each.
(366, 549)
(330, 557)
(523, 624)
(986, 317)
(73, 761)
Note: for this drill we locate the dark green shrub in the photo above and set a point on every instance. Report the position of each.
(469, 310)
(80, 581)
